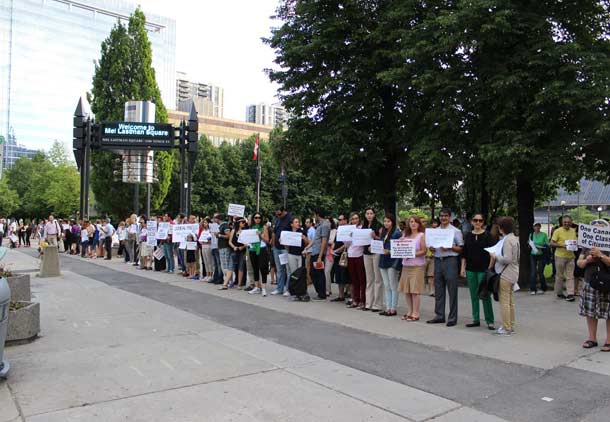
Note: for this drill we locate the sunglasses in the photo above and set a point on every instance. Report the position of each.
(477, 220)
(256, 218)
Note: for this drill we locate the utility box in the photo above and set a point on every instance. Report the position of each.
(5, 300)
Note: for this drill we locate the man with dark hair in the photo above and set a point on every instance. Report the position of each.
(564, 258)
(446, 273)
(282, 223)
(108, 230)
(317, 250)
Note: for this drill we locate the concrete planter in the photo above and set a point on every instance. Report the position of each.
(20, 287)
(23, 323)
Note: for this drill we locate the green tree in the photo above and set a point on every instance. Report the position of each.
(9, 199)
(124, 72)
(57, 154)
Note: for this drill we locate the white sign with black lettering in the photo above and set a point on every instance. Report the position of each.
(236, 210)
(594, 237)
(402, 248)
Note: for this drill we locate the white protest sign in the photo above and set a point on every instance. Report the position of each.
(362, 237)
(65, 227)
(377, 247)
(439, 238)
(191, 246)
(497, 248)
(151, 231)
(182, 245)
(181, 231)
(248, 237)
(402, 248)
(205, 236)
(344, 233)
(158, 254)
(291, 238)
(594, 237)
(283, 258)
(214, 227)
(236, 210)
(162, 231)
(572, 245)
(151, 241)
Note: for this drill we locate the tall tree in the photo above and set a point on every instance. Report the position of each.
(9, 199)
(124, 72)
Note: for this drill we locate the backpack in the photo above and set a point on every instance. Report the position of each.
(298, 282)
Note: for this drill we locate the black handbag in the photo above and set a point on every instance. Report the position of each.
(600, 279)
(492, 280)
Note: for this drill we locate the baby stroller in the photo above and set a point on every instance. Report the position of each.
(298, 285)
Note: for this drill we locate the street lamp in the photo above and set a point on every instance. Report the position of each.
(563, 204)
(599, 212)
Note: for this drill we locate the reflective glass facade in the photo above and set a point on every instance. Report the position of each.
(47, 54)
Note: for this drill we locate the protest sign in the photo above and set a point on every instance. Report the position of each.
(402, 248)
(344, 233)
(248, 237)
(162, 231)
(191, 246)
(291, 238)
(182, 245)
(594, 237)
(214, 227)
(236, 210)
(572, 245)
(158, 254)
(151, 230)
(362, 237)
(377, 247)
(440, 238)
(205, 236)
(283, 258)
(181, 231)
(151, 240)
(497, 248)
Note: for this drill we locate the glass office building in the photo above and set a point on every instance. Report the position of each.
(48, 50)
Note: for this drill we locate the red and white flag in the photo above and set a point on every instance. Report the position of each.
(255, 155)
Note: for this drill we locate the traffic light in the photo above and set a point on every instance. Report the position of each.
(192, 127)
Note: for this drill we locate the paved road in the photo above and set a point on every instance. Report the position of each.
(508, 390)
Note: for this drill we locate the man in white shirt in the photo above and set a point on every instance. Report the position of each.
(107, 230)
(51, 231)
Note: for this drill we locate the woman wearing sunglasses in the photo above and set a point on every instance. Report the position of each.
(238, 254)
(475, 262)
(259, 255)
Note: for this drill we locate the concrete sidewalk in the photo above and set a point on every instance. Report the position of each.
(120, 344)
(109, 355)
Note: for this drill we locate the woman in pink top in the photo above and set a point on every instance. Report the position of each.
(412, 279)
(355, 268)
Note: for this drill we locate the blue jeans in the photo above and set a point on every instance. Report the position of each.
(83, 248)
(390, 282)
(168, 252)
(280, 269)
(180, 256)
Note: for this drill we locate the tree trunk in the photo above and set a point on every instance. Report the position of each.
(389, 188)
(525, 209)
(484, 195)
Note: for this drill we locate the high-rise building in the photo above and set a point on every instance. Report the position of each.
(267, 114)
(208, 99)
(12, 151)
(48, 50)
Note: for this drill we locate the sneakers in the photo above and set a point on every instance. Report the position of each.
(533, 293)
(275, 292)
(264, 292)
(195, 277)
(503, 332)
(570, 298)
(286, 294)
(249, 288)
(255, 291)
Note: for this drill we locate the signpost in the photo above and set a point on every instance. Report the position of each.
(136, 135)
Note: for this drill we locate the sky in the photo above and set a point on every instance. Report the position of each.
(228, 48)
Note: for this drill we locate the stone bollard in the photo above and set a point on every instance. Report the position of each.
(20, 287)
(49, 264)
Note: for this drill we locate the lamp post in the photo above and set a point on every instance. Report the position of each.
(599, 212)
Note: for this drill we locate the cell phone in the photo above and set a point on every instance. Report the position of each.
(318, 265)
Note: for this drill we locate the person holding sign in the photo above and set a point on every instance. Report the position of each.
(204, 238)
(317, 251)
(562, 239)
(238, 254)
(413, 277)
(355, 268)
(374, 282)
(389, 267)
(475, 263)
(595, 303)
(507, 266)
(295, 253)
(190, 255)
(339, 272)
(145, 250)
(539, 243)
(446, 271)
(258, 253)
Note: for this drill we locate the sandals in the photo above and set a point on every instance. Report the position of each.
(605, 348)
(589, 344)
(412, 318)
(223, 288)
(405, 317)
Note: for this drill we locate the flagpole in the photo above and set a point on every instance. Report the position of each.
(258, 175)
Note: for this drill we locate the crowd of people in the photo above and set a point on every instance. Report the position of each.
(364, 280)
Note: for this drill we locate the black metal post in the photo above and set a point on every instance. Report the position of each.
(87, 170)
(182, 146)
(148, 201)
(136, 198)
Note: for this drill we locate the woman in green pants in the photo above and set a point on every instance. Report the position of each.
(475, 261)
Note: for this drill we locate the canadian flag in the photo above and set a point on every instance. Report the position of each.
(255, 155)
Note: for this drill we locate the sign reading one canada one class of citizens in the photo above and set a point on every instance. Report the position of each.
(130, 134)
(594, 237)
